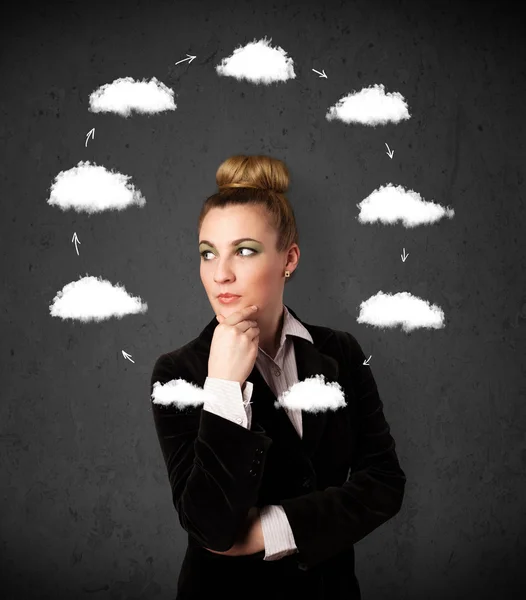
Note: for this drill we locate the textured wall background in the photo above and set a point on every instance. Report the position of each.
(85, 505)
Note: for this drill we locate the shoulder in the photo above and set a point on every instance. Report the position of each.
(183, 352)
(340, 340)
(176, 364)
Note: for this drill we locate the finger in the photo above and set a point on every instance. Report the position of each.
(240, 315)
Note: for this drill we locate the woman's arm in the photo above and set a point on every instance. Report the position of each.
(204, 453)
(328, 522)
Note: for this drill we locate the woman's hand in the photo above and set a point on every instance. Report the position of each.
(234, 346)
(251, 540)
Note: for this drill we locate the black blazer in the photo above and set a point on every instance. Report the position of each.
(337, 483)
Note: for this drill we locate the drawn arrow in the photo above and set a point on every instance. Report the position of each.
(189, 57)
(404, 256)
(320, 74)
(126, 355)
(76, 240)
(366, 361)
(92, 133)
(390, 153)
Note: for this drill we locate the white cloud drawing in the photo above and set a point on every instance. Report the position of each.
(125, 95)
(371, 106)
(93, 189)
(93, 299)
(179, 392)
(390, 310)
(390, 204)
(313, 395)
(259, 63)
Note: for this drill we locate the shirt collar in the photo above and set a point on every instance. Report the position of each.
(291, 326)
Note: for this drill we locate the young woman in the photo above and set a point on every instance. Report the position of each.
(278, 453)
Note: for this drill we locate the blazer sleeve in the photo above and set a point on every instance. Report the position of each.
(215, 466)
(231, 401)
(329, 522)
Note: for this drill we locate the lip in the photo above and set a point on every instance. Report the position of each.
(228, 298)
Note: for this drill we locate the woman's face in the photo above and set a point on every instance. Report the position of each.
(250, 269)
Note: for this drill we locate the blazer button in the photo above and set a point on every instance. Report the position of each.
(255, 462)
(302, 566)
(259, 451)
(252, 472)
(307, 482)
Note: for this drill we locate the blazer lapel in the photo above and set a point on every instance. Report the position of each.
(310, 362)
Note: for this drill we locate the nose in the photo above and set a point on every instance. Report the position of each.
(223, 273)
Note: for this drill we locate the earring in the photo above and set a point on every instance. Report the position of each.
(287, 273)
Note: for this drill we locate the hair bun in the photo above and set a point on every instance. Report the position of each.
(239, 184)
(257, 172)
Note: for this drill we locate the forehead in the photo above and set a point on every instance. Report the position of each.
(221, 225)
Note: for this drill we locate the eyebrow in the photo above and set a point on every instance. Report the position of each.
(234, 243)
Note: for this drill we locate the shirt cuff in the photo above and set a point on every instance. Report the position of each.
(247, 395)
(227, 400)
(277, 533)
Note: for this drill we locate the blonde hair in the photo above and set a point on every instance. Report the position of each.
(257, 181)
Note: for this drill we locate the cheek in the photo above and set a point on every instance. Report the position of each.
(262, 278)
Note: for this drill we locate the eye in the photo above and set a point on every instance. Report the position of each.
(242, 248)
